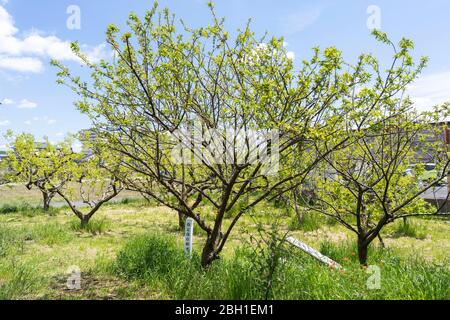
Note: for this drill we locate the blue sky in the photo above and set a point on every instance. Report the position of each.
(33, 32)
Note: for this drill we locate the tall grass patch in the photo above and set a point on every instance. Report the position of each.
(409, 229)
(149, 256)
(19, 283)
(26, 210)
(50, 233)
(160, 263)
(94, 227)
(311, 222)
(10, 240)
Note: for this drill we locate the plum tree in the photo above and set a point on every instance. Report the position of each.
(170, 85)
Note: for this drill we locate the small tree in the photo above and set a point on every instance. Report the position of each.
(39, 165)
(93, 182)
(4, 172)
(365, 186)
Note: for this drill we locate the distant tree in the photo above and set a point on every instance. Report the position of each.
(93, 182)
(364, 185)
(39, 165)
(163, 82)
(4, 176)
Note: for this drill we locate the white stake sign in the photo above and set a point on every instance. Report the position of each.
(314, 253)
(189, 230)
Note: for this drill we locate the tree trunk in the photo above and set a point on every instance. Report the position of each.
(381, 241)
(85, 220)
(181, 220)
(47, 198)
(405, 221)
(209, 253)
(362, 251)
(298, 213)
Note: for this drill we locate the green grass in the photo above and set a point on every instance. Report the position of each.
(50, 234)
(21, 283)
(134, 250)
(14, 208)
(401, 278)
(158, 262)
(132, 201)
(95, 226)
(9, 239)
(311, 222)
(26, 209)
(410, 229)
(149, 255)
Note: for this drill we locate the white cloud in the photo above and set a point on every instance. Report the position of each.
(7, 101)
(96, 53)
(4, 123)
(6, 23)
(21, 64)
(48, 120)
(27, 104)
(22, 104)
(430, 90)
(23, 53)
(45, 119)
(299, 21)
(13, 78)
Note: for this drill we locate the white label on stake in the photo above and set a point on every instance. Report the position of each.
(189, 230)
